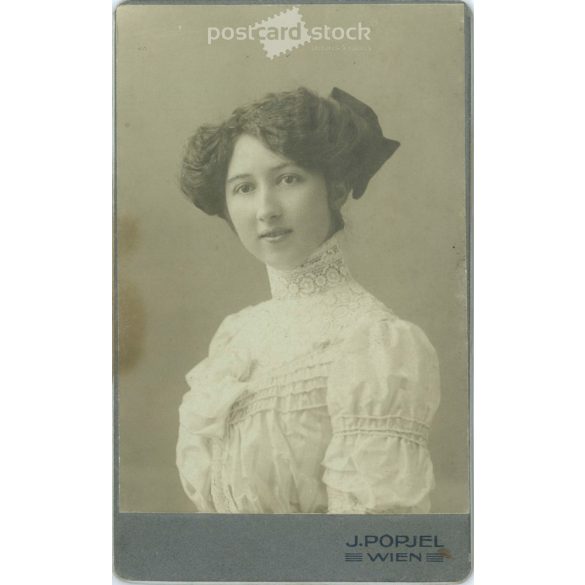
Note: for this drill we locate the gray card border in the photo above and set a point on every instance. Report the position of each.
(293, 547)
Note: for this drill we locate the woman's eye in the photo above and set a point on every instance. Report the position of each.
(289, 179)
(244, 188)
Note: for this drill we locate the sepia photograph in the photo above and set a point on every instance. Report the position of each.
(301, 285)
(319, 399)
(292, 259)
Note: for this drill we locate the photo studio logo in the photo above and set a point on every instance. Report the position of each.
(286, 31)
(396, 548)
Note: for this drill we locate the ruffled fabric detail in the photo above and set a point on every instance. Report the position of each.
(382, 397)
(290, 389)
(273, 464)
(380, 472)
(276, 440)
(216, 383)
(205, 409)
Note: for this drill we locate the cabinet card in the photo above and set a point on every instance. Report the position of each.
(292, 291)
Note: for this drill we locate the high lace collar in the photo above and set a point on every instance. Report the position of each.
(324, 269)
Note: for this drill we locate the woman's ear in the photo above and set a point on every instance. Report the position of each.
(338, 194)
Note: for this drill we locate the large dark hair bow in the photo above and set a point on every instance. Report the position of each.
(380, 149)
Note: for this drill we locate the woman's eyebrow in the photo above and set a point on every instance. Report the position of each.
(282, 166)
(274, 169)
(236, 177)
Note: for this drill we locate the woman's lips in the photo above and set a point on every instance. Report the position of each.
(275, 235)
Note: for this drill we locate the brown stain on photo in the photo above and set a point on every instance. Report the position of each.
(131, 309)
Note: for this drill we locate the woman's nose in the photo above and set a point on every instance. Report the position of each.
(268, 204)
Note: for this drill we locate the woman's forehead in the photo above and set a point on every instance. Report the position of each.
(251, 156)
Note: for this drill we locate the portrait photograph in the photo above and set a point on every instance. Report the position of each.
(301, 282)
(292, 220)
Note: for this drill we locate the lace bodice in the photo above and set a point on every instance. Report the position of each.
(318, 400)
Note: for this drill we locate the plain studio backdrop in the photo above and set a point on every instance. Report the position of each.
(181, 272)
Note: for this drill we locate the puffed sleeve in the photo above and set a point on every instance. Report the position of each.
(382, 395)
(215, 384)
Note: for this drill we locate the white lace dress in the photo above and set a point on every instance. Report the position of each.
(318, 400)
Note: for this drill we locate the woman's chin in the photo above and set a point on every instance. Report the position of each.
(286, 254)
(281, 260)
(283, 264)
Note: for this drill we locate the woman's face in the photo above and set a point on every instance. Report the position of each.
(279, 210)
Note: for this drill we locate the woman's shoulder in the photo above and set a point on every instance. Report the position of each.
(234, 324)
(224, 350)
(380, 328)
(387, 365)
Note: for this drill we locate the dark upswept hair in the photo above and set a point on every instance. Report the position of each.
(319, 134)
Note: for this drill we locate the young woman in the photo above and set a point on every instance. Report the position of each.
(319, 399)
